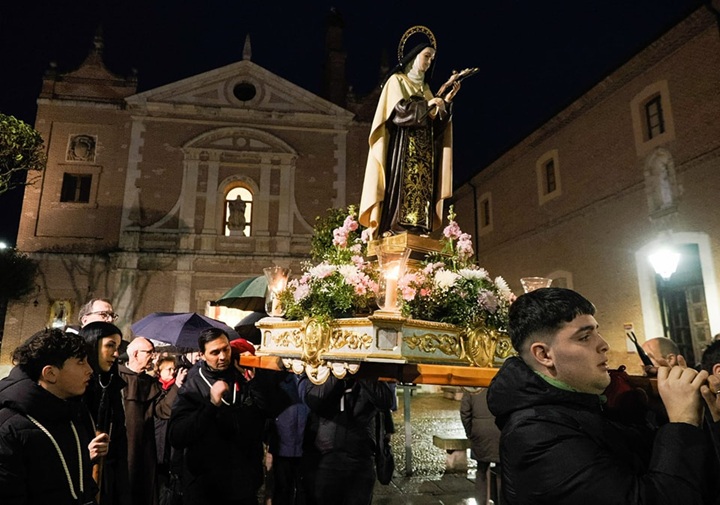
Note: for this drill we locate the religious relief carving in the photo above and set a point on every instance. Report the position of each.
(661, 187)
(431, 342)
(81, 148)
(352, 340)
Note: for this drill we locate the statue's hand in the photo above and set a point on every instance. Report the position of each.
(453, 91)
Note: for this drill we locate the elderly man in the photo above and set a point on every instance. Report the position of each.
(559, 447)
(47, 442)
(144, 399)
(662, 351)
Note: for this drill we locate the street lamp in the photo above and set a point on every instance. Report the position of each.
(665, 262)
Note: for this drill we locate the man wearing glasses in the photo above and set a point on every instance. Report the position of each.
(144, 400)
(97, 309)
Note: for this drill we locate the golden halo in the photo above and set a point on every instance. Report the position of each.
(412, 31)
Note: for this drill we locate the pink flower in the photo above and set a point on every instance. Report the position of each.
(340, 237)
(452, 230)
(350, 224)
(464, 246)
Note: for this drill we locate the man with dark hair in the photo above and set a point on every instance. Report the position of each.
(47, 441)
(558, 446)
(218, 419)
(710, 361)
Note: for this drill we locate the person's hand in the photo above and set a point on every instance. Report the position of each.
(679, 388)
(99, 446)
(180, 377)
(217, 391)
(711, 395)
(651, 371)
(453, 91)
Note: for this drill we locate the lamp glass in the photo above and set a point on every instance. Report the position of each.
(533, 283)
(393, 263)
(277, 278)
(665, 262)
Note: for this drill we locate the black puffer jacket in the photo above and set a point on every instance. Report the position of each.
(342, 415)
(223, 445)
(557, 447)
(31, 471)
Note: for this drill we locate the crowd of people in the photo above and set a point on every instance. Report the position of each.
(83, 420)
(87, 417)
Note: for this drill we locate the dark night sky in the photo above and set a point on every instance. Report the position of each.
(535, 57)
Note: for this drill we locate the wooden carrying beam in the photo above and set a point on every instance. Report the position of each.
(410, 373)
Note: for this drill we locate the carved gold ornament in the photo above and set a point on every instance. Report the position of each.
(431, 342)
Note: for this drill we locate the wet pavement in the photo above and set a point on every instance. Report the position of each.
(428, 482)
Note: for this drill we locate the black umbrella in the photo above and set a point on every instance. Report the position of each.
(246, 327)
(180, 329)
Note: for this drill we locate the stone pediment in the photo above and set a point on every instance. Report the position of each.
(243, 86)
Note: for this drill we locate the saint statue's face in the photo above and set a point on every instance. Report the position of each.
(423, 60)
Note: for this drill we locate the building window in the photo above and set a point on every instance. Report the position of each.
(652, 118)
(76, 188)
(550, 184)
(485, 214)
(238, 212)
(548, 176)
(654, 121)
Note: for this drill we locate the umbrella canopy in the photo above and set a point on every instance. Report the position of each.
(246, 327)
(248, 295)
(180, 329)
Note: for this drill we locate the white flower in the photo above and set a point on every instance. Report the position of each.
(504, 289)
(301, 291)
(348, 272)
(473, 273)
(322, 270)
(445, 279)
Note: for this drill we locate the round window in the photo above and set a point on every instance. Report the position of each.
(244, 91)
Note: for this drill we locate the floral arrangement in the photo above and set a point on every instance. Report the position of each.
(342, 283)
(450, 288)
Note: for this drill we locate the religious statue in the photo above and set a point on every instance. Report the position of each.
(236, 218)
(409, 166)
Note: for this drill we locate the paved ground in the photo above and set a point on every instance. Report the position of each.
(430, 484)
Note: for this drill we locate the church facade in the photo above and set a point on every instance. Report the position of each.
(165, 199)
(630, 168)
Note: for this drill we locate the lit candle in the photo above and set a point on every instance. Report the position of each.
(391, 284)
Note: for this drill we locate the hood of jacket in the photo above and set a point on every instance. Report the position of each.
(20, 393)
(517, 387)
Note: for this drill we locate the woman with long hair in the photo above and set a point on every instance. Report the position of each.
(104, 400)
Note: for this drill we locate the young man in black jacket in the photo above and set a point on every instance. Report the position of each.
(559, 447)
(218, 420)
(47, 441)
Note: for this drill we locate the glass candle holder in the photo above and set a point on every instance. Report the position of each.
(533, 283)
(277, 278)
(393, 263)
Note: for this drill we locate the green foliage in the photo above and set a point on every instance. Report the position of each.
(322, 241)
(21, 152)
(17, 275)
